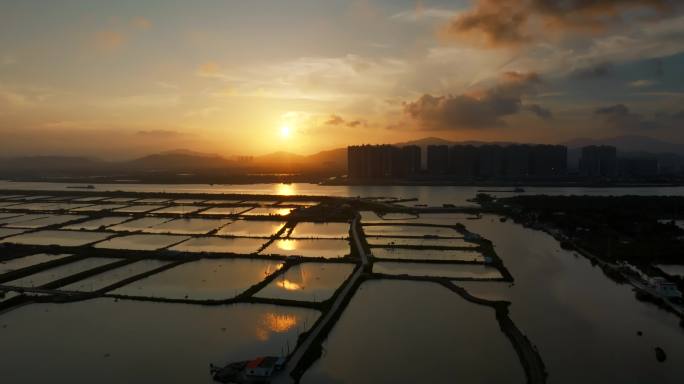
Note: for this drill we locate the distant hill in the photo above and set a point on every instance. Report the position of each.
(332, 161)
(177, 161)
(631, 143)
(54, 165)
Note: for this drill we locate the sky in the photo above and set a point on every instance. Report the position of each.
(118, 79)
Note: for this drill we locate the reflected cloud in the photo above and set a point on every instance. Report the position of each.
(289, 285)
(274, 323)
(287, 244)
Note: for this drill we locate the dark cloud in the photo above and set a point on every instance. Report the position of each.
(620, 117)
(338, 120)
(601, 70)
(659, 68)
(514, 22)
(540, 111)
(480, 109)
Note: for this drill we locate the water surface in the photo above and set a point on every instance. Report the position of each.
(584, 325)
(63, 238)
(46, 221)
(238, 245)
(140, 342)
(252, 228)
(140, 224)
(413, 332)
(141, 242)
(188, 226)
(27, 261)
(421, 241)
(327, 248)
(39, 279)
(456, 271)
(95, 224)
(204, 279)
(180, 209)
(321, 230)
(426, 254)
(105, 279)
(313, 282)
(408, 230)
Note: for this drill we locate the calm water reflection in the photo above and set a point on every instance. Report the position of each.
(425, 194)
(437, 270)
(308, 282)
(203, 279)
(328, 248)
(412, 332)
(140, 342)
(584, 325)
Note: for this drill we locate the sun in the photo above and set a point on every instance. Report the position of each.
(285, 131)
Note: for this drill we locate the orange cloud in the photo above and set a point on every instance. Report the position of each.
(111, 40)
(209, 69)
(141, 23)
(108, 41)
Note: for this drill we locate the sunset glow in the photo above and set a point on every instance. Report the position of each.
(208, 77)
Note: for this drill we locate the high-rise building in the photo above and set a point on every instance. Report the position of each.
(463, 161)
(409, 160)
(517, 160)
(638, 166)
(598, 161)
(437, 159)
(491, 161)
(548, 160)
(459, 161)
(382, 161)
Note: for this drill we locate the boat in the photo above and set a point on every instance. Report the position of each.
(81, 186)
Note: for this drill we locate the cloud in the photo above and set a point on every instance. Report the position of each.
(109, 41)
(338, 120)
(209, 69)
(159, 133)
(598, 71)
(620, 117)
(642, 83)
(538, 110)
(478, 109)
(115, 38)
(141, 23)
(420, 13)
(322, 79)
(517, 22)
